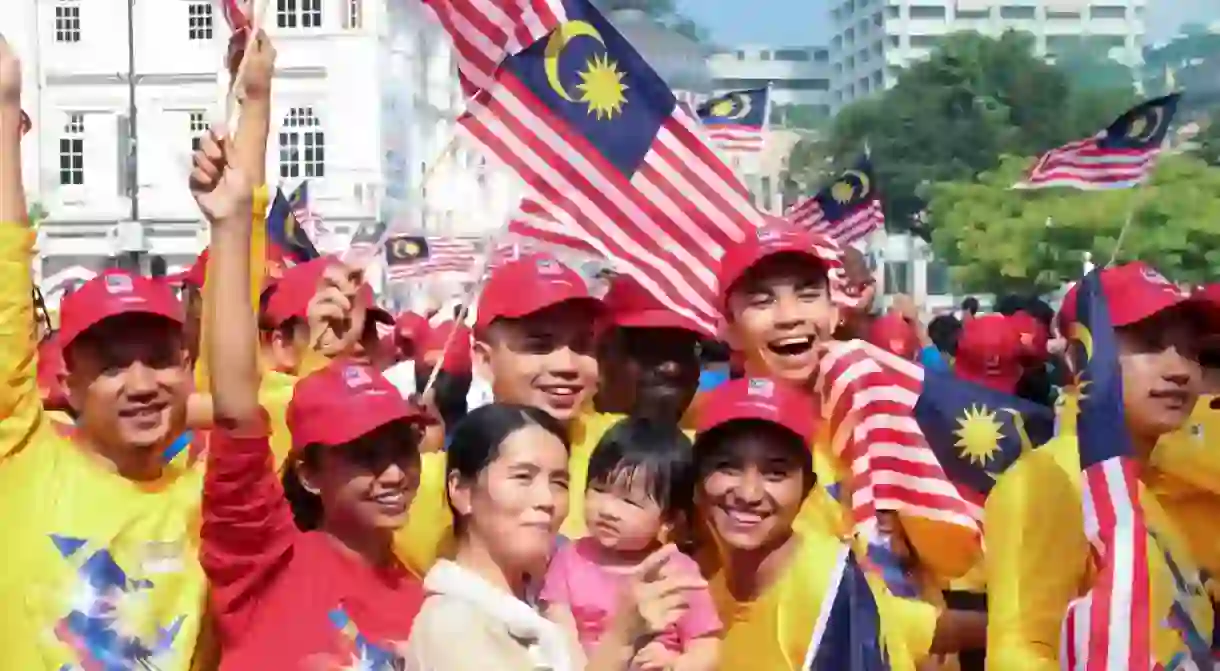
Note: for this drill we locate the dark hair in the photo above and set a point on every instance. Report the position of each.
(306, 506)
(943, 331)
(971, 305)
(657, 452)
(475, 442)
(449, 392)
(713, 351)
(710, 446)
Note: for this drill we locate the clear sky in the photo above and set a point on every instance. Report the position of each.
(807, 22)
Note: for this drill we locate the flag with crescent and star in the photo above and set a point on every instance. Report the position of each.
(410, 257)
(1107, 628)
(736, 120)
(1119, 157)
(285, 232)
(847, 210)
(847, 633)
(562, 98)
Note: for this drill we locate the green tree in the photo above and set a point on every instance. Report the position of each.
(998, 239)
(808, 167)
(1087, 63)
(802, 117)
(1209, 143)
(37, 214)
(953, 115)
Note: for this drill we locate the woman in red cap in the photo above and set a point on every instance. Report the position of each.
(307, 580)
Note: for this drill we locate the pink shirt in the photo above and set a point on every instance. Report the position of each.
(591, 591)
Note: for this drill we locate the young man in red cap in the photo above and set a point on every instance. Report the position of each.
(94, 512)
(1038, 558)
(893, 333)
(989, 353)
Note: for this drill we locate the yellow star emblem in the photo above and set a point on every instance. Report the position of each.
(601, 87)
(979, 433)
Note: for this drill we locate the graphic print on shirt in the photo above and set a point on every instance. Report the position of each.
(110, 624)
(1187, 584)
(357, 652)
(591, 623)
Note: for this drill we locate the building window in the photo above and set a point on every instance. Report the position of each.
(940, 281)
(1107, 12)
(792, 55)
(897, 277)
(1012, 12)
(72, 152)
(973, 13)
(298, 13)
(67, 22)
(199, 21)
(924, 41)
(352, 14)
(927, 12)
(199, 126)
(302, 145)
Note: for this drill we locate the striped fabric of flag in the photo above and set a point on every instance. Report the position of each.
(1107, 629)
(808, 213)
(735, 121)
(302, 209)
(868, 399)
(613, 159)
(445, 255)
(1119, 157)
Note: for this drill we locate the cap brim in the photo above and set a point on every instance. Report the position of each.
(591, 302)
(729, 283)
(658, 319)
(345, 432)
(740, 413)
(67, 338)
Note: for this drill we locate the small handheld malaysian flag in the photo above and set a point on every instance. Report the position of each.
(1119, 157)
(736, 121)
(846, 210)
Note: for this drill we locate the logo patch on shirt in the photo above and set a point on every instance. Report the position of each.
(760, 387)
(118, 284)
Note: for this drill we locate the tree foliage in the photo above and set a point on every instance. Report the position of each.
(1209, 142)
(952, 116)
(997, 239)
(36, 214)
(1087, 63)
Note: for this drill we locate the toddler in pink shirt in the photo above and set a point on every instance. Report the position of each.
(641, 484)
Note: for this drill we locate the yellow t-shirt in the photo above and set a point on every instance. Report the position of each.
(93, 561)
(274, 393)
(1038, 560)
(773, 631)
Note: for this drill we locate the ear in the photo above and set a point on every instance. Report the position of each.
(459, 493)
(306, 480)
(482, 360)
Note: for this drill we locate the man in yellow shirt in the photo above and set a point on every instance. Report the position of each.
(1038, 558)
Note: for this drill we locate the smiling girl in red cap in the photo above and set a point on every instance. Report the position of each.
(311, 578)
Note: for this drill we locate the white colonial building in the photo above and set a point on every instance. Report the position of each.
(364, 98)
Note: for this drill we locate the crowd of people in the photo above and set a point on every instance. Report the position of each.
(256, 479)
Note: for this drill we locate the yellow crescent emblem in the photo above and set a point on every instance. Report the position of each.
(1082, 335)
(865, 183)
(1145, 127)
(1018, 423)
(290, 228)
(564, 34)
(733, 106)
(404, 249)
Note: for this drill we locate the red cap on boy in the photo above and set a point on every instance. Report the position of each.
(630, 305)
(111, 294)
(1134, 292)
(989, 353)
(530, 284)
(893, 333)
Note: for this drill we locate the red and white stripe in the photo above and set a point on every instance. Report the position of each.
(1107, 628)
(1088, 166)
(807, 213)
(732, 139)
(868, 399)
(445, 255)
(485, 32)
(236, 13)
(307, 219)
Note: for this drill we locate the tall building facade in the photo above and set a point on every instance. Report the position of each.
(874, 38)
(797, 75)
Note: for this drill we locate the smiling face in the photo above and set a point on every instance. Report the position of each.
(545, 360)
(128, 381)
(1162, 377)
(754, 476)
(778, 311)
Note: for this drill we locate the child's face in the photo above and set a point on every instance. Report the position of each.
(1162, 377)
(752, 491)
(622, 516)
(778, 311)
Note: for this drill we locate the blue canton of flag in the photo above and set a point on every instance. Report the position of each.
(735, 120)
(976, 432)
(847, 634)
(847, 209)
(284, 231)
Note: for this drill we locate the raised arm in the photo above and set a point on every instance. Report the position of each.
(20, 403)
(247, 524)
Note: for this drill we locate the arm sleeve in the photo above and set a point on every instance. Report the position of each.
(248, 530)
(1037, 560)
(20, 403)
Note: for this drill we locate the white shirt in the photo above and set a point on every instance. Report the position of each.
(402, 376)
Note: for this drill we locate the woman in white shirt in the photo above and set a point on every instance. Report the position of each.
(508, 489)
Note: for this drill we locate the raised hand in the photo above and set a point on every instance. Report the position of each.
(336, 313)
(260, 64)
(658, 591)
(10, 76)
(222, 189)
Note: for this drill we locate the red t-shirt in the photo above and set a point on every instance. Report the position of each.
(284, 599)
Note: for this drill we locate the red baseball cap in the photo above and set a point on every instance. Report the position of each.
(411, 327)
(1032, 334)
(758, 399)
(893, 333)
(530, 284)
(342, 402)
(458, 358)
(630, 305)
(777, 237)
(1134, 292)
(989, 353)
(290, 296)
(112, 294)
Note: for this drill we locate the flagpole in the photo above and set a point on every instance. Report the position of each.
(1137, 203)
